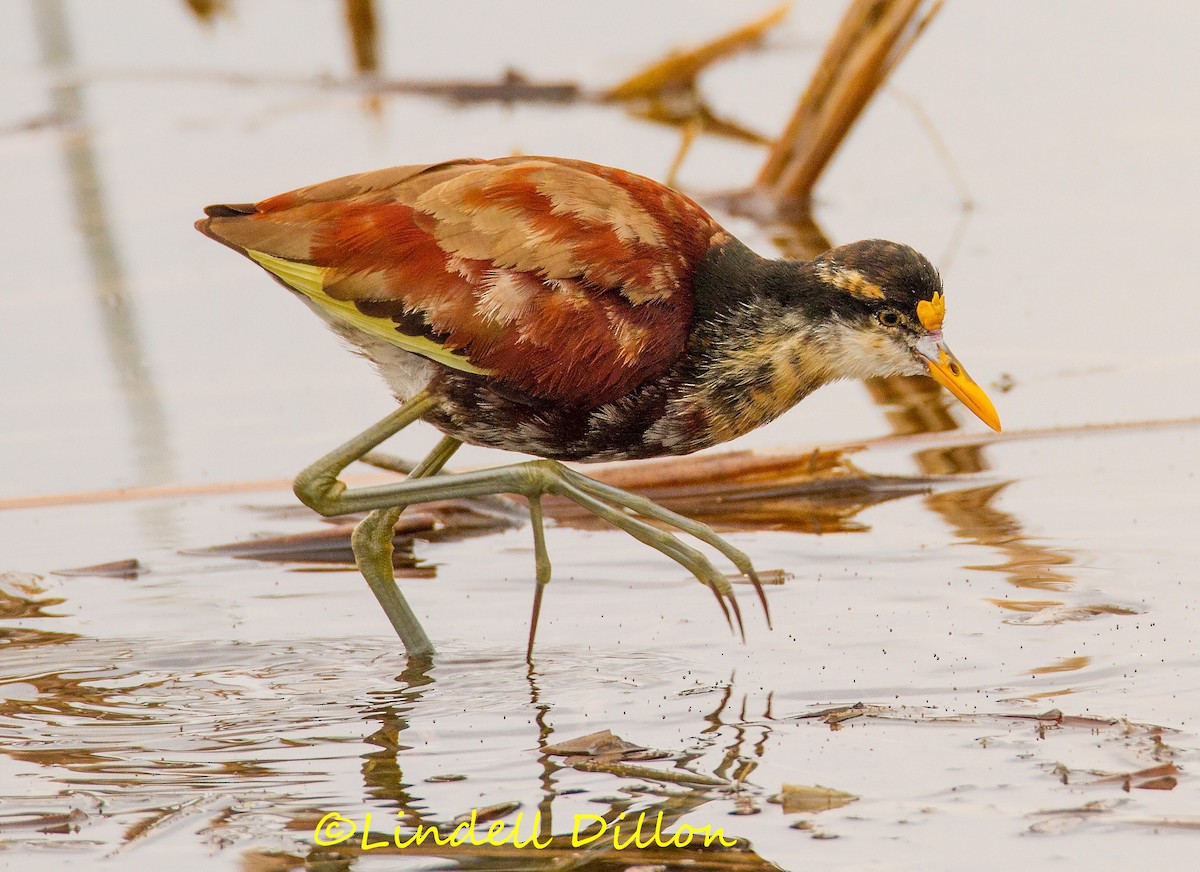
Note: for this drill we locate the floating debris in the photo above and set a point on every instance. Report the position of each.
(130, 568)
(602, 743)
(1165, 776)
(796, 798)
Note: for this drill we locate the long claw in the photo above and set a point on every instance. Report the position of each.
(724, 608)
(737, 613)
(688, 557)
(762, 596)
(649, 509)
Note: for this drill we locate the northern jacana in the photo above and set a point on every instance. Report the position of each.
(575, 312)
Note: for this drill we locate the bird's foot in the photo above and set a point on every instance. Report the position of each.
(621, 509)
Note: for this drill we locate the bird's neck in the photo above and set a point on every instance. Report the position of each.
(760, 344)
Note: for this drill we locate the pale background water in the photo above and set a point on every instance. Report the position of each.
(224, 702)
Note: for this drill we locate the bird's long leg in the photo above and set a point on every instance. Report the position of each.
(541, 561)
(372, 544)
(432, 463)
(318, 487)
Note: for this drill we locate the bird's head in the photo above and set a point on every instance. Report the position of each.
(884, 317)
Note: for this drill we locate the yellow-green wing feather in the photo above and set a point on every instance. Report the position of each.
(310, 281)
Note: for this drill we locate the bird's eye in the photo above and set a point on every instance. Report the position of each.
(889, 318)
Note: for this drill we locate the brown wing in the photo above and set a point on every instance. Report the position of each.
(562, 279)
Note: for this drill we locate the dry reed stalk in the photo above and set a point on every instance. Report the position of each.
(664, 471)
(666, 92)
(678, 71)
(872, 39)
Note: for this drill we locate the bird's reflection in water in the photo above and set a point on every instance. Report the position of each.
(973, 518)
(667, 785)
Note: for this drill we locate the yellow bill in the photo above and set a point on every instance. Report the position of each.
(944, 367)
